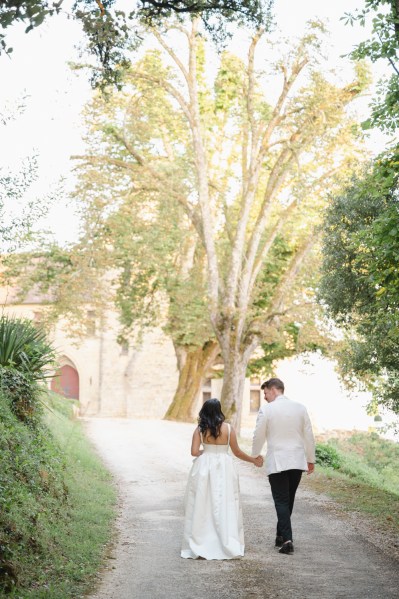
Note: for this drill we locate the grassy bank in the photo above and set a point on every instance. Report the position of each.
(363, 477)
(380, 506)
(58, 507)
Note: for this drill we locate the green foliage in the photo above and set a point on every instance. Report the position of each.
(370, 459)
(69, 280)
(23, 394)
(31, 489)
(383, 44)
(252, 12)
(273, 270)
(56, 505)
(25, 348)
(360, 281)
(290, 340)
(288, 336)
(15, 231)
(229, 83)
(328, 456)
(111, 33)
(25, 359)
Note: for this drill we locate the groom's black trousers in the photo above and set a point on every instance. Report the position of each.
(284, 485)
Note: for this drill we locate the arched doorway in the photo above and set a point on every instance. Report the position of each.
(66, 382)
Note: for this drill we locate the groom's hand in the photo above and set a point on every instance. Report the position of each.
(258, 461)
(310, 468)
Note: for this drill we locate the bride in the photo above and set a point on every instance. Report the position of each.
(213, 527)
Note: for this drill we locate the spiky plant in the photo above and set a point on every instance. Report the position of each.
(26, 359)
(25, 348)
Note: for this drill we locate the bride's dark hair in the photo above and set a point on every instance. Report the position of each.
(211, 418)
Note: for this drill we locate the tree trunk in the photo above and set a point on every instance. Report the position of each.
(193, 365)
(235, 365)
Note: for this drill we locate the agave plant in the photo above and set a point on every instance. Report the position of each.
(25, 348)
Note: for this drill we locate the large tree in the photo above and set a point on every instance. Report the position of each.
(208, 192)
(243, 168)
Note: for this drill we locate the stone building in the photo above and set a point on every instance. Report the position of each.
(111, 380)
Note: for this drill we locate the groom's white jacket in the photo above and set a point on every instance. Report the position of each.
(286, 428)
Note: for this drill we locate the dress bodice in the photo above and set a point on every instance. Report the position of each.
(213, 448)
(216, 448)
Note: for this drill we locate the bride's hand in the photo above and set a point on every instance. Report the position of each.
(258, 461)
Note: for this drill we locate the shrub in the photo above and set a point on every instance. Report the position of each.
(32, 490)
(370, 458)
(326, 455)
(25, 348)
(56, 505)
(25, 359)
(23, 395)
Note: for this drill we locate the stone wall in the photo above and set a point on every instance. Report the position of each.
(134, 382)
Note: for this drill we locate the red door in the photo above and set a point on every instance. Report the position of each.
(66, 382)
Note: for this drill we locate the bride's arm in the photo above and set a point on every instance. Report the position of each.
(258, 461)
(196, 444)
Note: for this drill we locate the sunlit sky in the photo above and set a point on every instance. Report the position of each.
(313, 381)
(51, 125)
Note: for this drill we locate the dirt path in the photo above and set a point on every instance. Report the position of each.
(150, 460)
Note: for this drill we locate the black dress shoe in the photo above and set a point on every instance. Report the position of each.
(287, 548)
(279, 541)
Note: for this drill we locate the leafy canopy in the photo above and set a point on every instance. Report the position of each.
(111, 32)
(360, 278)
(383, 44)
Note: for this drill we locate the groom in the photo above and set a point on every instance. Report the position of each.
(286, 427)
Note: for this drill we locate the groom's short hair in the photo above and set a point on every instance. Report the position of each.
(277, 383)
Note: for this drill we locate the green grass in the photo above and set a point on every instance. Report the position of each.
(366, 479)
(370, 459)
(60, 506)
(379, 505)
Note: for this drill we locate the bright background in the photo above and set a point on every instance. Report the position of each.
(51, 127)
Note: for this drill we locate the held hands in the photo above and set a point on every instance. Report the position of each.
(258, 461)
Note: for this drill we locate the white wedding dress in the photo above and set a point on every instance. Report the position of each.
(213, 526)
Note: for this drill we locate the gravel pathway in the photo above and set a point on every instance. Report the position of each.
(151, 460)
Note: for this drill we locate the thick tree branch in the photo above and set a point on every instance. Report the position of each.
(249, 184)
(275, 181)
(172, 54)
(164, 182)
(277, 305)
(251, 92)
(130, 166)
(250, 189)
(288, 82)
(202, 176)
(170, 89)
